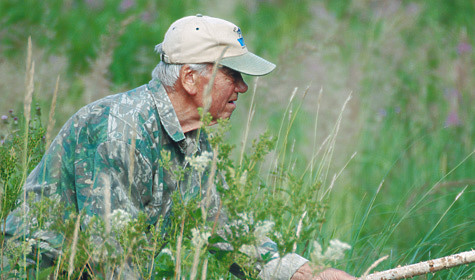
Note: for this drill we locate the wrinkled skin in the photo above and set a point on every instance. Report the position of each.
(307, 273)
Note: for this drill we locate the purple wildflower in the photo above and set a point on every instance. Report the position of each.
(126, 5)
(452, 119)
(464, 47)
(147, 16)
(381, 114)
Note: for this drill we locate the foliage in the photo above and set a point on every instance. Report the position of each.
(11, 154)
(129, 246)
(410, 65)
(411, 185)
(129, 28)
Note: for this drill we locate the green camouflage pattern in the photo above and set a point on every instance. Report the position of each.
(107, 158)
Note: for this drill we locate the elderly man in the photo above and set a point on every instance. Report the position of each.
(114, 145)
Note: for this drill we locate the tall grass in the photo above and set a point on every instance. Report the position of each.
(410, 187)
(404, 189)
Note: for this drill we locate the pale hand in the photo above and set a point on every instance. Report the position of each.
(306, 273)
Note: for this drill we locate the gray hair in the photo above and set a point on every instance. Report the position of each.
(168, 73)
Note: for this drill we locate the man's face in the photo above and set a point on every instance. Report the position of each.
(227, 85)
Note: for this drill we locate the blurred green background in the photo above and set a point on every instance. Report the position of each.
(409, 66)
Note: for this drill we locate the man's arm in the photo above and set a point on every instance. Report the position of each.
(305, 272)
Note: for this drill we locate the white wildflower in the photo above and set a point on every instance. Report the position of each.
(246, 218)
(278, 238)
(119, 219)
(262, 229)
(241, 225)
(199, 163)
(317, 254)
(243, 179)
(167, 251)
(27, 245)
(199, 238)
(249, 250)
(334, 252)
(337, 249)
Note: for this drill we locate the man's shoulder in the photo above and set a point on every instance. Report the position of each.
(118, 105)
(116, 116)
(134, 96)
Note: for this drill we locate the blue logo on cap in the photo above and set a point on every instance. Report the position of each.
(240, 39)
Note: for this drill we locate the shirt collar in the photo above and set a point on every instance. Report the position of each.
(165, 110)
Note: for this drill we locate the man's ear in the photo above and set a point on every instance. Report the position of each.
(188, 79)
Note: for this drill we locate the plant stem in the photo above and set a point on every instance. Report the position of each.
(4, 220)
(425, 267)
(74, 246)
(178, 250)
(250, 116)
(51, 120)
(29, 83)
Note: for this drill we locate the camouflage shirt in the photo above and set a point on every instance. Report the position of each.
(107, 157)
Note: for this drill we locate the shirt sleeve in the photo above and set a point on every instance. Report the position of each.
(282, 268)
(277, 268)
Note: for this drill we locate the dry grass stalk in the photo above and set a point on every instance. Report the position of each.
(51, 120)
(178, 250)
(29, 84)
(205, 269)
(196, 260)
(107, 207)
(132, 161)
(252, 110)
(211, 186)
(56, 270)
(30, 73)
(452, 184)
(317, 114)
(375, 264)
(207, 98)
(328, 155)
(299, 228)
(74, 246)
(337, 175)
(425, 267)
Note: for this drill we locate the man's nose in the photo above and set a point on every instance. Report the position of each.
(241, 86)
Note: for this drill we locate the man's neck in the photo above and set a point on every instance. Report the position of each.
(185, 109)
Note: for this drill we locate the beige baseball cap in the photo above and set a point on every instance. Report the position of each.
(202, 39)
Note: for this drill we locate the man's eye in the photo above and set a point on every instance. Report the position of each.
(234, 74)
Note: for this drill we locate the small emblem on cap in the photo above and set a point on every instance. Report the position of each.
(199, 15)
(240, 39)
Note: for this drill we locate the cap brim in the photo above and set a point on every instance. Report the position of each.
(249, 64)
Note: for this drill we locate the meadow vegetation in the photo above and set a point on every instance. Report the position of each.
(389, 171)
